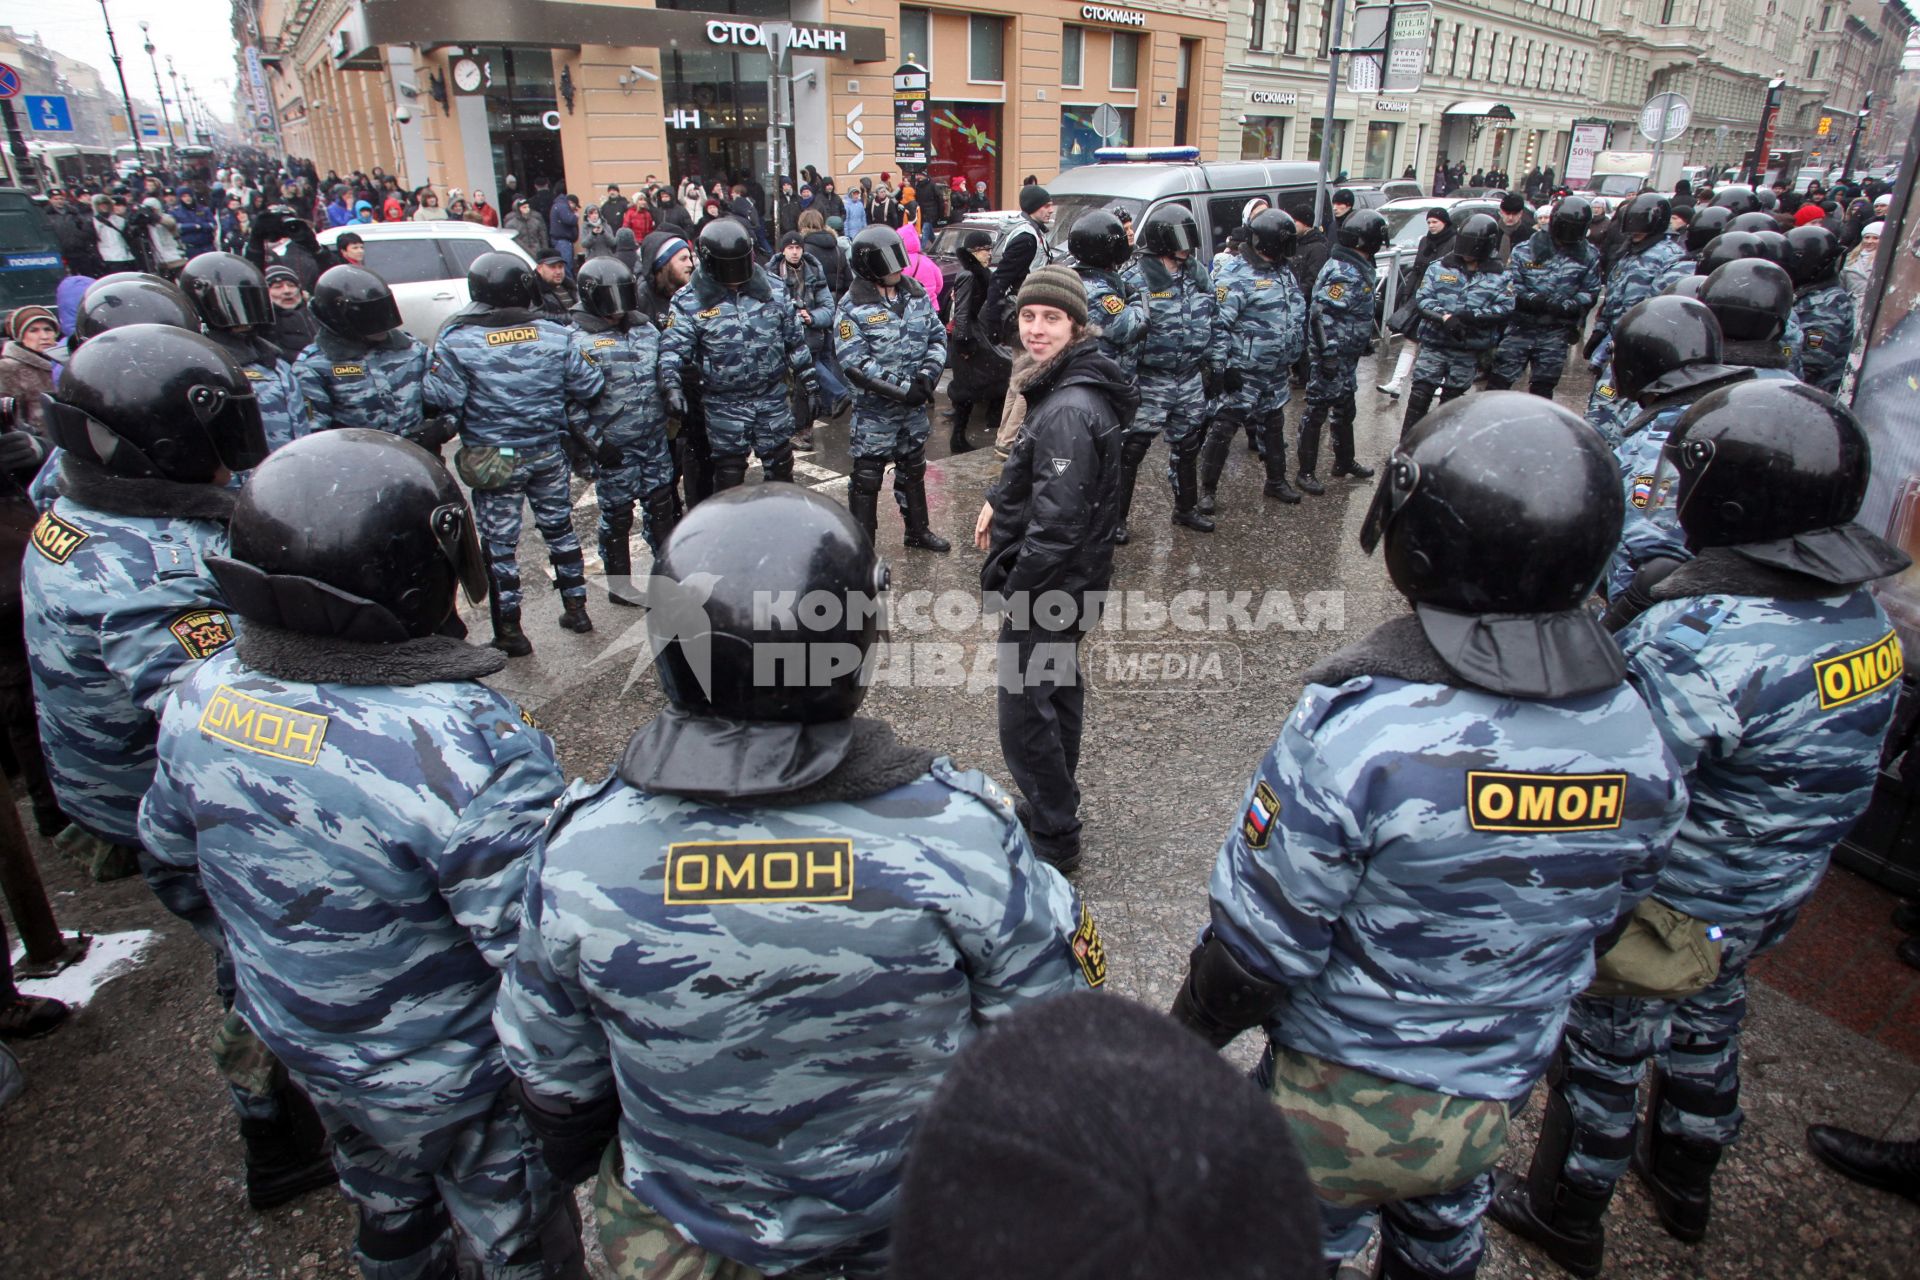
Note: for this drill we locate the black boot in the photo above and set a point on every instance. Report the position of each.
(557, 1246)
(1132, 450)
(573, 616)
(1677, 1172)
(778, 465)
(1274, 445)
(729, 473)
(910, 493)
(863, 493)
(662, 513)
(1890, 1166)
(1342, 430)
(1316, 417)
(287, 1156)
(507, 636)
(1213, 458)
(1186, 489)
(1545, 1208)
(957, 437)
(616, 562)
(1419, 400)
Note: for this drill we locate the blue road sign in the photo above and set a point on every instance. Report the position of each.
(9, 81)
(48, 114)
(149, 126)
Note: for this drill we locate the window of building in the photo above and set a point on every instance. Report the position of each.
(986, 49)
(1257, 28)
(1433, 47)
(1339, 144)
(1263, 138)
(1293, 25)
(1078, 139)
(1073, 48)
(1326, 25)
(1382, 138)
(1666, 12)
(1126, 61)
(916, 36)
(1813, 65)
(1826, 17)
(1473, 56)
(1453, 51)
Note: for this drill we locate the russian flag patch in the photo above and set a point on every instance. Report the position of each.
(1257, 825)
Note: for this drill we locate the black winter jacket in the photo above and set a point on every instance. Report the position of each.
(1310, 253)
(980, 368)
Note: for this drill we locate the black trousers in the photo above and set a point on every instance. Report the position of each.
(1042, 700)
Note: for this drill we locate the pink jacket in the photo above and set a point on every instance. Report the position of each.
(921, 267)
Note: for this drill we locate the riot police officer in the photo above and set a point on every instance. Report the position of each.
(1770, 638)
(230, 294)
(710, 942)
(363, 369)
(1371, 864)
(1260, 328)
(627, 423)
(734, 327)
(152, 422)
(1821, 304)
(1753, 301)
(1642, 265)
(344, 751)
(890, 344)
(1178, 373)
(506, 375)
(1339, 332)
(1100, 248)
(1464, 304)
(1706, 227)
(1556, 279)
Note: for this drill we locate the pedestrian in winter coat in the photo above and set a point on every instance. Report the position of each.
(692, 197)
(828, 201)
(825, 248)
(1433, 246)
(563, 226)
(165, 253)
(627, 248)
(429, 210)
(197, 224)
(921, 267)
(529, 231)
(980, 367)
(482, 212)
(26, 367)
(73, 229)
(639, 220)
(854, 221)
(596, 241)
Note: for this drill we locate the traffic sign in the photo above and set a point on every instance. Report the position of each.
(1826, 126)
(149, 125)
(9, 82)
(48, 114)
(1388, 53)
(1107, 122)
(1665, 117)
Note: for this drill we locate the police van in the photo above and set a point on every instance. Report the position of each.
(1139, 180)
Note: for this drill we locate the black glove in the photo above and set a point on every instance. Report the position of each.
(607, 455)
(1232, 381)
(434, 433)
(1532, 303)
(19, 451)
(573, 1136)
(1454, 326)
(676, 402)
(924, 387)
(1637, 596)
(1592, 345)
(1210, 382)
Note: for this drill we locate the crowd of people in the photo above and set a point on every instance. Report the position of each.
(1546, 819)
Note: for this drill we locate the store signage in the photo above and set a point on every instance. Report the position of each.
(1273, 97)
(1107, 13)
(1589, 140)
(910, 81)
(805, 39)
(1387, 104)
(684, 119)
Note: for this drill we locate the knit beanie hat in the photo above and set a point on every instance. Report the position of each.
(1033, 198)
(1055, 287)
(277, 272)
(976, 239)
(1808, 213)
(21, 317)
(1091, 1136)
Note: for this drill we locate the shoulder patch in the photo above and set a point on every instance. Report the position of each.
(1219, 293)
(507, 337)
(714, 872)
(710, 313)
(1336, 291)
(1642, 491)
(667, 323)
(349, 371)
(1088, 951)
(1606, 391)
(879, 316)
(1692, 629)
(1849, 677)
(1164, 293)
(264, 728)
(846, 328)
(57, 540)
(1113, 304)
(254, 375)
(605, 342)
(1530, 802)
(1448, 277)
(1256, 824)
(202, 632)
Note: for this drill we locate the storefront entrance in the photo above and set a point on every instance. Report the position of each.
(518, 100)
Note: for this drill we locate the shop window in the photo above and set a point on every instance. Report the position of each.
(1339, 145)
(986, 49)
(1125, 72)
(1073, 49)
(1382, 139)
(1078, 139)
(1263, 138)
(916, 36)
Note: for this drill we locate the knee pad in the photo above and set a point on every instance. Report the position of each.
(910, 466)
(867, 474)
(1543, 387)
(618, 523)
(729, 471)
(1134, 448)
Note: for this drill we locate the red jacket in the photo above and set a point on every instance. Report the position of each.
(639, 220)
(391, 210)
(489, 216)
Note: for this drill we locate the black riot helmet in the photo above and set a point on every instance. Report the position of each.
(726, 251)
(156, 402)
(1751, 299)
(1761, 461)
(1650, 213)
(721, 650)
(1773, 245)
(607, 288)
(1753, 221)
(130, 298)
(1814, 254)
(1099, 240)
(1659, 335)
(1478, 238)
(1570, 221)
(1364, 231)
(229, 291)
(357, 304)
(1736, 200)
(500, 280)
(1767, 199)
(1729, 246)
(1707, 223)
(878, 253)
(1687, 287)
(357, 534)
(1499, 512)
(1273, 234)
(1170, 230)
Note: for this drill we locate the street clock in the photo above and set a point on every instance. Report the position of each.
(468, 74)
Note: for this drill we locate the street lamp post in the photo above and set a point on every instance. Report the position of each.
(1853, 143)
(186, 122)
(159, 89)
(126, 99)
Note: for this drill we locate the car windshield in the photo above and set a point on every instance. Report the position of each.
(1070, 209)
(1617, 184)
(1405, 226)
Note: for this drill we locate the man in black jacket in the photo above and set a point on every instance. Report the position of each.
(1516, 223)
(666, 264)
(73, 230)
(1310, 252)
(1026, 250)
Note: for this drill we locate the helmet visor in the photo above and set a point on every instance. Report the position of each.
(453, 529)
(1396, 485)
(729, 269)
(233, 306)
(1178, 235)
(232, 423)
(612, 299)
(365, 317)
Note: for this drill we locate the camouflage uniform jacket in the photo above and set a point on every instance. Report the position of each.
(1552, 287)
(1638, 274)
(507, 376)
(628, 409)
(119, 609)
(349, 384)
(1180, 310)
(1481, 297)
(1775, 709)
(283, 406)
(741, 342)
(1118, 307)
(1261, 321)
(1340, 312)
(774, 992)
(1825, 313)
(895, 340)
(1427, 866)
(366, 847)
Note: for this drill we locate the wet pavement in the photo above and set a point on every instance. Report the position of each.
(122, 1160)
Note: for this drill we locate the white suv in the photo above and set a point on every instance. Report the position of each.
(426, 264)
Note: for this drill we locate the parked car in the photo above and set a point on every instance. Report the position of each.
(1215, 193)
(426, 264)
(1402, 189)
(30, 263)
(944, 244)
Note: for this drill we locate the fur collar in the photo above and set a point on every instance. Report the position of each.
(590, 323)
(27, 356)
(865, 293)
(1758, 353)
(711, 293)
(292, 655)
(775, 764)
(94, 486)
(1735, 571)
(1397, 647)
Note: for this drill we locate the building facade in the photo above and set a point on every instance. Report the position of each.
(464, 95)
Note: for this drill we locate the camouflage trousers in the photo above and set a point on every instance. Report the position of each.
(428, 1182)
(645, 465)
(1262, 393)
(642, 1245)
(1608, 410)
(1174, 404)
(1440, 1237)
(1695, 1043)
(1439, 365)
(542, 480)
(887, 431)
(1544, 348)
(1331, 379)
(738, 422)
